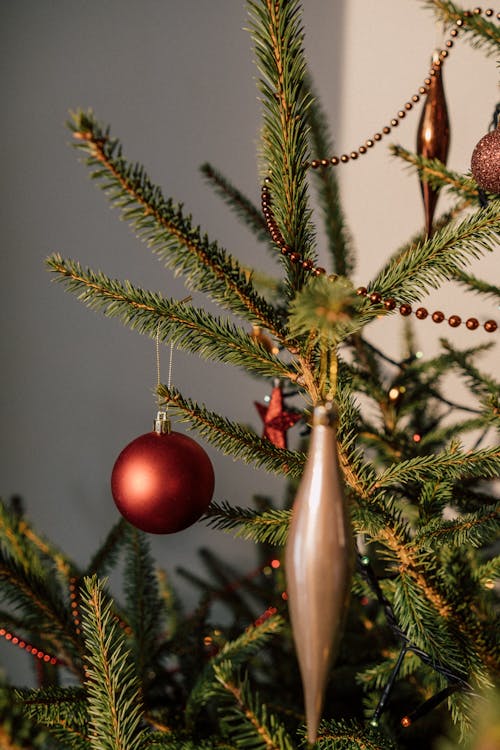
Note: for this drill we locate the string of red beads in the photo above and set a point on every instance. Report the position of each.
(439, 59)
(29, 648)
(389, 304)
(269, 612)
(73, 595)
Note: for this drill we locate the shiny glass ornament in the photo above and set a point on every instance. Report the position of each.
(319, 562)
(433, 139)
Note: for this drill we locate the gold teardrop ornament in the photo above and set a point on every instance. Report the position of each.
(319, 561)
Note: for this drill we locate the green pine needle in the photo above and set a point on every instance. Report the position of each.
(246, 720)
(232, 438)
(105, 558)
(423, 267)
(454, 464)
(242, 206)
(236, 652)
(143, 602)
(325, 180)
(480, 32)
(55, 706)
(327, 311)
(438, 176)
(113, 692)
(270, 526)
(490, 291)
(189, 328)
(163, 225)
(475, 529)
(278, 37)
(343, 735)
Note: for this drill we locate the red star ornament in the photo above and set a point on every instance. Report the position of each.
(277, 420)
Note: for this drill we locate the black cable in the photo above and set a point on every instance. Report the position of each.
(456, 680)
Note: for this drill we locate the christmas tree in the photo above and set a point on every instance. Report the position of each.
(418, 657)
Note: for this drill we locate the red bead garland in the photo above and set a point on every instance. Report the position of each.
(29, 648)
(73, 588)
(375, 298)
(440, 57)
(490, 326)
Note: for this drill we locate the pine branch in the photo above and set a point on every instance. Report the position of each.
(484, 386)
(278, 36)
(444, 434)
(170, 604)
(339, 238)
(438, 176)
(28, 548)
(341, 735)
(433, 498)
(328, 312)
(269, 527)
(143, 603)
(479, 286)
(421, 268)
(475, 529)
(248, 723)
(69, 738)
(164, 227)
(112, 688)
(237, 652)
(420, 597)
(55, 706)
(105, 557)
(376, 677)
(229, 586)
(444, 220)
(429, 629)
(189, 328)
(231, 438)
(242, 206)
(486, 573)
(43, 610)
(178, 741)
(481, 33)
(454, 464)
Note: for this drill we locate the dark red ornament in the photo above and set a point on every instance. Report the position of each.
(162, 482)
(485, 162)
(277, 420)
(433, 139)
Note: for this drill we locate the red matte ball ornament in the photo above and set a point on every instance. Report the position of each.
(163, 481)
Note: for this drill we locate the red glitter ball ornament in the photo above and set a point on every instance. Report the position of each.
(162, 482)
(485, 162)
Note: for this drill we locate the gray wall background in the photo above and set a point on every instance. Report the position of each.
(176, 82)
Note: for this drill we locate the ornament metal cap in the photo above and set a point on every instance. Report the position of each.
(325, 414)
(161, 424)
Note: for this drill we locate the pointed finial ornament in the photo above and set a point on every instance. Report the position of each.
(433, 136)
(319, 562)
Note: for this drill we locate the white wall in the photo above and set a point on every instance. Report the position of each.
(175, 80)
